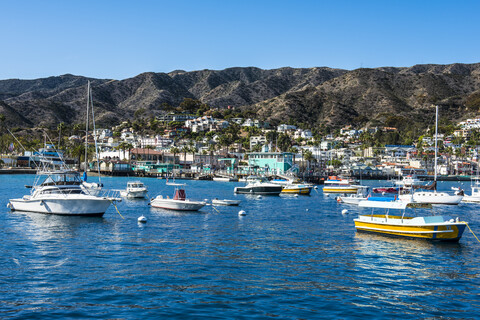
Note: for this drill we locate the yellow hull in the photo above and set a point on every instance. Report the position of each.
(441, 231)
(339, 190)
(306, 190)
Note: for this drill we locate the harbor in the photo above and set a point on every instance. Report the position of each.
(287, 257)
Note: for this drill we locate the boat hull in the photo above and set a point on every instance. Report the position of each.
(225, 202)
(411, 228)
(263, 190)
(66, 207)
(134, 194)
(340, 189)
(178, 205)
(433, 198)
(297, 190)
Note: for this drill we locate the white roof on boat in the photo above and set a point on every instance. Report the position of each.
(401, 205)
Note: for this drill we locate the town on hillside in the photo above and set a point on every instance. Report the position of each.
(205, 146)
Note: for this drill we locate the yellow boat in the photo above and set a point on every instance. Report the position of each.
(441, 228)
(297, 189)
(336, 184)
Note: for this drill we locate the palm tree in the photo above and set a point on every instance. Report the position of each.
(185, 150)
(60, 127)
(175, 151)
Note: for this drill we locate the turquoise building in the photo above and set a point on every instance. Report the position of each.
(270, 162)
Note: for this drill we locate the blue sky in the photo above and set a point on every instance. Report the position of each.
(121, 39)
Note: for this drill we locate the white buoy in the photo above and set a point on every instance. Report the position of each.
(306, 209)
(259, 197)
(242, 213)
(296, 195)
(142, 219)
(315, 187)
(344, 211)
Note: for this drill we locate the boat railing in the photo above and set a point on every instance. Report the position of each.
(109, 193)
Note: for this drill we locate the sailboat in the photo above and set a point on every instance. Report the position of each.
(93, 188)
(434, 197)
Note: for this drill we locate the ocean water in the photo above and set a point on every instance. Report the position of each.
(288, 258)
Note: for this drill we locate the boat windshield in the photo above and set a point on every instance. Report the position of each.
(62, 178)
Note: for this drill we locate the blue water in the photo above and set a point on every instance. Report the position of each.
(288, 258)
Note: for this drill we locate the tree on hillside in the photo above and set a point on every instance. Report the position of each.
(190, 105)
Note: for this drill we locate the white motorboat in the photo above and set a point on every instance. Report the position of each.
(179, 202)
(410, 180)
(475, 195)
(225, 202)
(135, 189)
(60, 192)
(260, 186)
(361, 195)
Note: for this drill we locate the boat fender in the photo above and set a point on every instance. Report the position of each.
(42, 203)
(9, 205)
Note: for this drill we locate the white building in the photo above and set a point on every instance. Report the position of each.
(261, 140)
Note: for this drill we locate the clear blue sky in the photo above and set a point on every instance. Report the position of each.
(121, 39)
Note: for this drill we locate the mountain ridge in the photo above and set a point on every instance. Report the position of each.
(315, 96)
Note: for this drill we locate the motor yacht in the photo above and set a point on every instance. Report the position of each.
(60, 192)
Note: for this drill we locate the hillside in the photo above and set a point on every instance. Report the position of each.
(314, 96)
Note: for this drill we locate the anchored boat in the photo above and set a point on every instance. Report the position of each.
(179, 201)
(395, 222)
(61, 192)
(336, 184)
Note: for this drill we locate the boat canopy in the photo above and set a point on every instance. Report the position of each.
(401, 205)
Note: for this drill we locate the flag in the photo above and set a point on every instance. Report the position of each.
(11, 147)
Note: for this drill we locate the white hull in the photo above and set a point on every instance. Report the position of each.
(134, 194)
(473, 199)
(351, 200)
(225, 202)
(221, 179)
(181, 205)
(80, 206)
(433, 198)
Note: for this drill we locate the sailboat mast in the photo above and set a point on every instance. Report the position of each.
(86, 126)
(95, 136)
(436, 138)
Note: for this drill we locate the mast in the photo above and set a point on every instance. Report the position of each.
(86, 127)
(436, 137)
(95, 134)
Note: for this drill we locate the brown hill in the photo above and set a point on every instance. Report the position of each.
(313, 96)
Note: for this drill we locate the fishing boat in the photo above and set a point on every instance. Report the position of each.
(225, 202)
(395, 222)
(60, 192)
(179, 201)
(361, 195)
(260, 186)
(135, 189)
(410, 180)
(335, 184)
(297, 189)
